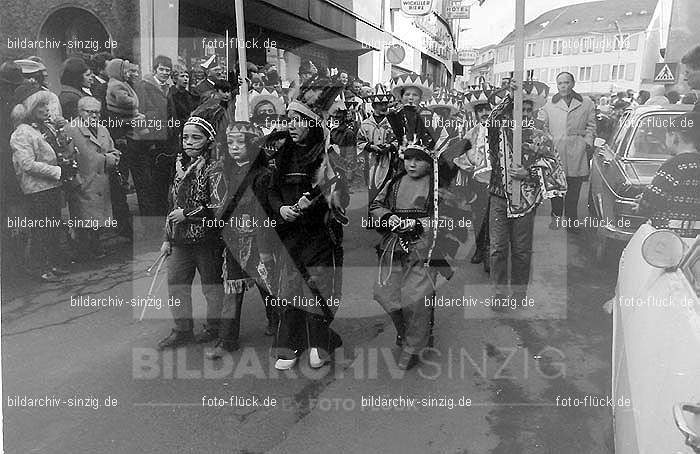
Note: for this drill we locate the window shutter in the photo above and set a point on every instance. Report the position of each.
(566, 46)
(575, 45)
(634, 42)
(605, 73)
(595, 73)
(538, 48)
(629, 71)
(544, 73)
(546, 47)
(574, 70)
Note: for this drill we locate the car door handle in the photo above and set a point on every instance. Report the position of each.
(691, 438)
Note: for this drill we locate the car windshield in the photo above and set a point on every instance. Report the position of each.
(649, 137)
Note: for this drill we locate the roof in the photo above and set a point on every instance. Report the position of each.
(585, 18)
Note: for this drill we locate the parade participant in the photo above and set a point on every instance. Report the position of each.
(303, 195)
(40, 174)
(478, 164)
(406, 121)
(264, 103)
(671, 200)
(691, 71)
(213, 73)
(343, 139)
(219, 110)
(375, 144)
(98, 65)
(76, 79)
(89, 202)
(445, 109)
(248, 259)
(190, 242)
(410, 255)
(541, 176)
(570, 119)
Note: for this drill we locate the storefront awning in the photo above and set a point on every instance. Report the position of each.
(317, 21)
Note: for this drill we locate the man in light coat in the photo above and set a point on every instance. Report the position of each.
(90, 203)
(570, 119)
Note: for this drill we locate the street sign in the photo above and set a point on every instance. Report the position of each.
(666, 73)
(458, 9)
(395, 54)
(416, 7)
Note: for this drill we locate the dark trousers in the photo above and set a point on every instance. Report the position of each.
(230, 326)
(44, 242)
(480, 215)
(510, 237)
(569, 204)
(183, 262)
(298, 329)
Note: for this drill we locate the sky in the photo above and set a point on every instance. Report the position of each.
(490, 23)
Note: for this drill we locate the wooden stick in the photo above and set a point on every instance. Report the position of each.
(518, 75)
(242, 69)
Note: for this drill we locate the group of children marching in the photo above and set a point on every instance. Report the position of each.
(421, 168)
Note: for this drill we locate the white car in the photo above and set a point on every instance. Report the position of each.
(656, 345)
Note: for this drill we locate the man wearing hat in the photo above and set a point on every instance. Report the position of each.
(375, 142)
(213, 72)
(34, 71)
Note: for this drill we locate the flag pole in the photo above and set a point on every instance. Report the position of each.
(240, 43)
(518, 76)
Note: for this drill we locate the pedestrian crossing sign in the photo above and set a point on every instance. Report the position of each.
(666, 73)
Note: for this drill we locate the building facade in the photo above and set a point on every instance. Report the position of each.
(606, 45)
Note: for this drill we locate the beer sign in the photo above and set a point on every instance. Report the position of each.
(416, 7)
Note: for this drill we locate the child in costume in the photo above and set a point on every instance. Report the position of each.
(248, 260)
(410, 255)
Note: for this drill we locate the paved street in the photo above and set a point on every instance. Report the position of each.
(509, 368)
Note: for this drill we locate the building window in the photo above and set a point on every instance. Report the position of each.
(558, 47)
(511, 53)
(617, 72)
(530, 74)
(622, 42)
(584, 73)
(530, 50)
(587, 45)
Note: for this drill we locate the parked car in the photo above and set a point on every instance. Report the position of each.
(656, 345)
(622, 168)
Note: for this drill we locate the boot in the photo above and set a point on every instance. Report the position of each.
(176, 339)
(399, 324)
(478, 256)
(407, 360)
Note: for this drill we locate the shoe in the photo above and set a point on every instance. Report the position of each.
(176, 339)
(478, 256)
(487, 266)
(500, 308)
(399, 340)
(555, 223)
(285, 364)
(205, 336)
(60, 271)
(221, 348)
(407, 360)
(50, 276)
(315, 359)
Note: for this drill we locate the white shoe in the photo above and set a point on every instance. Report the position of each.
(315, 360)
(285, 364)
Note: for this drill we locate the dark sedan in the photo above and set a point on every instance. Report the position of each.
(621, 169)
